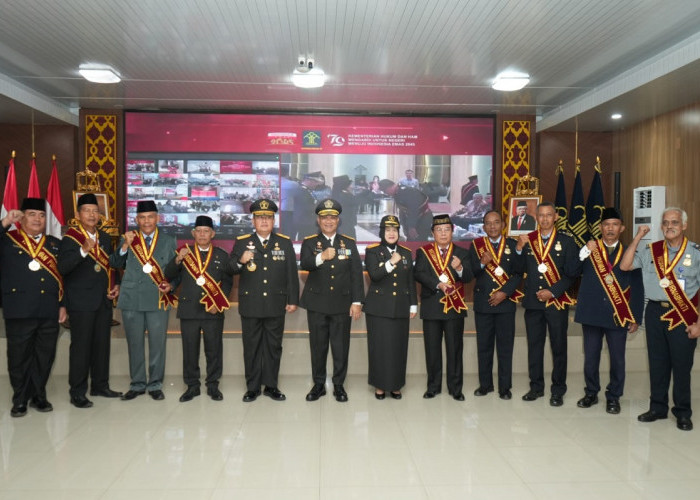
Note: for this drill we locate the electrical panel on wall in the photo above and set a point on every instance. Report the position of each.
(649, 204)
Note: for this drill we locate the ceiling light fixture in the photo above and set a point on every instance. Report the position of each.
(509, 81)
(306, 76)
(99, 73)
(616, 116)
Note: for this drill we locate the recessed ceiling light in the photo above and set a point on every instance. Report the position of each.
(510, 81)
(616, 116)
(99, 73)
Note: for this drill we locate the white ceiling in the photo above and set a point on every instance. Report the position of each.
(586, 58)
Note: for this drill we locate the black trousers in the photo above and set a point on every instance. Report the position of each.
(90, 339)
(31, 349)
(495, 330)
(592, 345)
(453, 330)
(262, 350)
(537, 322)
(212, 332)
(670, 352)
(325, 330)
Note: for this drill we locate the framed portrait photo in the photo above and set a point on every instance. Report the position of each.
(102, 203)
(522, 211)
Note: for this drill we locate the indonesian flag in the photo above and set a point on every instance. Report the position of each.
(54, 205)
(9, 199)
(33, 191)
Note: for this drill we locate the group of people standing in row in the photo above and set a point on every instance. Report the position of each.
(45, 279)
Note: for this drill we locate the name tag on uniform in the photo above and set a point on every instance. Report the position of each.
(681, 283)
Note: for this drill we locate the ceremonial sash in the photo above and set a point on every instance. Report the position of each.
(604, 271)
(455, 299)
(145, 256)
(483, 245)
(541, 254)
(684, 311)
(214, 297)
(37, 252)
(97, 254)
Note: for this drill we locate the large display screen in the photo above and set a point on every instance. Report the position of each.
(218, 164)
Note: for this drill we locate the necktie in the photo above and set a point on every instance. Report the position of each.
(148, 242)
(330, 242)
(264, 243)
(520, 221)
(443, 252)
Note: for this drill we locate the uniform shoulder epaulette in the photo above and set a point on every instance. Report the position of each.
(244, 236)
(373, 245)
(405, 248)
(283, 236)
(311, 236)
(348, 237)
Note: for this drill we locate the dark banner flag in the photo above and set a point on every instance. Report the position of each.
(595, 203)
(578, 225)
(560, 200)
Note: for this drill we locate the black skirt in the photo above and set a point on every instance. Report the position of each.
(387, 346)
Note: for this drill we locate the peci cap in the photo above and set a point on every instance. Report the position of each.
(521, 203)
(610, 213)
(441, 219)
(342, 181)
(87, 199)
(33, 204)
(146, 206)
(328, 207)
(263, 206)
(204, 221)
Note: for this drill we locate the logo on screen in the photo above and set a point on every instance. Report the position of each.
(336, 140)
(311, 139)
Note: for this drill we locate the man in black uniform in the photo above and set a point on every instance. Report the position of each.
(32, 293)
(91, 286)
(332, 295)
(551, 262)
(304, 203)
(442, 269)
(414, 212)
(268, 288)
(610, 305)
(206, 282)
(497, 270)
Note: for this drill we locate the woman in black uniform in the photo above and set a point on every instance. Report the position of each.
(391, 301)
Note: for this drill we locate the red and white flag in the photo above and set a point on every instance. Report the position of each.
(54, 205)
(9, 199)
(33, 191)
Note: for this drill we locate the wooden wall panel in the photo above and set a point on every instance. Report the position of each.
(664, 151)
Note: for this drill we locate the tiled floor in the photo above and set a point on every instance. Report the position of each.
(365, 449)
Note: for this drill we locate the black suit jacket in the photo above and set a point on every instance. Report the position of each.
(529, 223)
(430, 295)
(485, 285)
(265, 292)
(27, 293)
(390, 295)
(564, 253)
(85, 289)
(334, 285)
(191, 293)
(594, 307)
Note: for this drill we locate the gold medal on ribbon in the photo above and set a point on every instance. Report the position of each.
(542, 268)
(147, 268)
(200, 281)
(664, 282)
(609, 279)
(498, 271)
(34, 265)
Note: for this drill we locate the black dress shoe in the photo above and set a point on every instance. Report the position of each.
(651, 416)
(18, 410)
(532, 395)
(396, 394)
(80, 402)
(316, 392)
(131, 394)
(250, 396)
(430, 394)
(41, 404)
(612, 406)
(339, 392)
(157, 395)
(505, 395)
(379, 395)
(483, 391)
(684, 423)
(274, 393)
(215, 394)
(105, 393)
(458, 396)
(556, 400)
(191, 393)
(587, 401)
